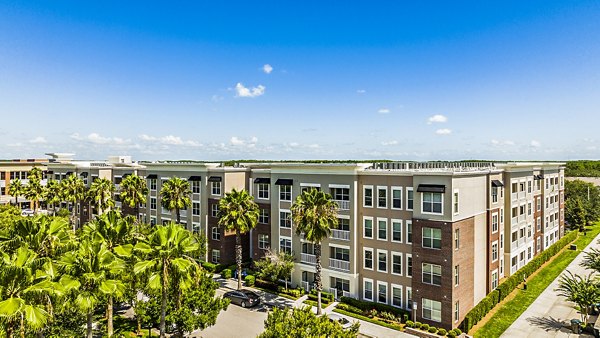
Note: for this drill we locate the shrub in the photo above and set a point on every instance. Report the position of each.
(367, 306)
(226, 273)
(433, 329)
(451, 334)
(418, 325)
(425, 327)
(343, 306)
(405, 317)
(266, 285)
(410, 323)
(250, 280)
(210, 267)
(457, 331)
(324, 295)
(442, 332)
(372, 313)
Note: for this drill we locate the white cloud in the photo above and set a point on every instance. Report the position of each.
(267, 68)
(216, 98)
(314, 146)
(242, 91)
(383, 111)
(38, 140)
(170, 140)
(503, 142)
(437, 119)
(535, 144)
(239, 142)
(361, 91)
(444, 131)
(98, 139)
(389, 143)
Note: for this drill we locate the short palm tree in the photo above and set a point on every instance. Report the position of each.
(73, 191)
(34, 191)
(133, 192)
(175, 195)
(53, 194)
(168, 258)
(101, 194)
(315, 213)
(583, 291)
(46, 236)
(591, 259)
(238, 212)
(16, 189)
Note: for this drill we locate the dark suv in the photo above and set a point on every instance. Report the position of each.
(243, 298)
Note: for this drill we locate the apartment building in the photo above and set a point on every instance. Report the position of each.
(18, 169)
(433, 238)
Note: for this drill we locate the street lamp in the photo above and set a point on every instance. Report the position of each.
(414, 312)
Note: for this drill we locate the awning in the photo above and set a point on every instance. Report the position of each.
(497, 183)
(151, 177)
(195, 178)
(284, 181)
(215, 179)
(431, 188)
(125, 175)
(68, 173)
(262, 180)
(84, 174)
(539, 177)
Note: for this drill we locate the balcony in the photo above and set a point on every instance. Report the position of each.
(308, 258)
(343, 235)
(338, 264)
(343, 205)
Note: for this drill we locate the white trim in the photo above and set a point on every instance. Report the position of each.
(497, 251)
(340, 186)
(386, 229)
(343, 216)
(372, 226)
(165, 178)
(372, 258)
(396, 286)
(406, 200)
(408, 290)
(396, 253)
(314, 185)
(291, 194)
(406, 224)
(387, 261)
(387, 294)
(365, 187)
(407, 256)
(497, 220)
(432, 213)
(382, 187)
(455, 191)
(392, 221)
(335, 245)
(396, 188)
(372, 289)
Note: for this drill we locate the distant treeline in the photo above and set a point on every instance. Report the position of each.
(584, 168)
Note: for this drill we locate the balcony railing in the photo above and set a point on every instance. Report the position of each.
(344, 205)
(338, 264)
(343, 235)
(308, 258)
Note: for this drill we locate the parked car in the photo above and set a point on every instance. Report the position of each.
(243, 298)
(26, 212)
(345, 323)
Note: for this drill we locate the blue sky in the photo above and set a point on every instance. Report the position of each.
(296, 80)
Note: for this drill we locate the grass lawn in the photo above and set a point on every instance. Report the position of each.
(513, 308)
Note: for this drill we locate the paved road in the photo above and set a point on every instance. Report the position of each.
(550, 314)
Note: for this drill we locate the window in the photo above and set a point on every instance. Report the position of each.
(396, 198)
(455, 208)
(456, 274)
(539, 203)
(341, 254)
(263, 241)
(152, 203)
(368, 196)
(215, 233)
(368, 228)
(263, 191)
(408, 232)
(381, 261)
(432, 310)
(195, 227)
(216, 256)
(368, 263)
(529, 208)
(432, 238)
(382, 197)
(494, 251)
(456, 239)
(539, 224)
(397, 263)
(196, 209)
(343, 224)
(153, 184)
(152, 220)
(285, 245)
(340, 194)
(396, 231)
(529, 187)
(494, 223)
(521, 186)
(432, 274)
(432, 202)
(382, 292)
(215, 188)
(368, 289)
(409, 198)
(285, 219)
(456, 311)
(214, 210)
(494, 280)
(2, 191)
(263, 216)
(494, 194)
(382, 229)
(408, 265)
(285, 193)
(195, 187)
(397, 295)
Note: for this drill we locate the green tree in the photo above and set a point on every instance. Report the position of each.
(576, 214)
(169, 260)
(53, 194)
(591, 259)
(101, 194)
(34, 190)
(133, 192)
(73, 191)
(238, 212)
(16, 189)
(48, 237)
(175, 195)
(583, 291)
(315, 213)
(580, 194)
(274, 266)
(302, 322)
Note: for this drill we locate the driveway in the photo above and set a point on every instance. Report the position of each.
(550, 315)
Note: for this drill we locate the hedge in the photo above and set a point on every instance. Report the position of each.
(324, 295)
(211, 267)
(366, 306)
(226, 273)
(504, 289)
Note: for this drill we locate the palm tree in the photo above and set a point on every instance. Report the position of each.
(315, 214)
(16, 189)
(35, 174)
(101, 194)
(175, 195)
(591, 259)
(34, 191)
(73, 191)
(52, 194)
(133, 192)
(583, 291)
(46, 236)
(169, 259)
(238, 212)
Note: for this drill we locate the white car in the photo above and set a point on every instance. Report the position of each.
(26, 212)
(345, 323)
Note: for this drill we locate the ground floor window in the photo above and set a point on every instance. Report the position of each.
(216, 256)
(340, 284)
(285, 245)
(432, 310)
(397, 296)
(368, 290)
(382, 292)
(263, 241)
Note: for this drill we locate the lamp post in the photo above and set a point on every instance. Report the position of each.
(414, 311)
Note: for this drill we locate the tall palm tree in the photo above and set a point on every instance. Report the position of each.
(175, 195)
(315, 213)
(35, 173)
(101, 194)
(133, 192)
(34, 191)
(73, 191)
(53, 194)
(169, 259)
(16, 189)
(238, 212)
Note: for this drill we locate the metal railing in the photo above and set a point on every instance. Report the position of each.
(343, 205)
(308, 258)
(338, 264)
(343, 235)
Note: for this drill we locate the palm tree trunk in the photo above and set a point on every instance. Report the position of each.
(90, 319)
(238, 257)
(9, 330)
(109, 312)
(318, 282)
(163, 305)
(177, 216)
(22, 326)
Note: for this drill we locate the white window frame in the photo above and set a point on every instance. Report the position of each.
(372, 226)
(372, 258)
(398, 254)
(406, 266)
(494, 272)
(212, 256)
(215, 235)
(386, 292)
(286, 238)
(431, 238)
(214, 210)
(408, 224)
(263, 247)
(455, 202)
(365, 187)
(291, 193)
(495, 214)
(279, 219)
(261, 216)
(260, 191)
(495, 243)
(215, 186)
(408, 301)
(396, 188)
(407, 199)
(397, 287)
(386, 261)
(398, 221)
(431, 274)
(424, 301)
(199, 208)
(365, 288)
(456, 277)
(386, 229)
(382, 187)
(441, 203)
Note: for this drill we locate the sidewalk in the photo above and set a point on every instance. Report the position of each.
(550, 314)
